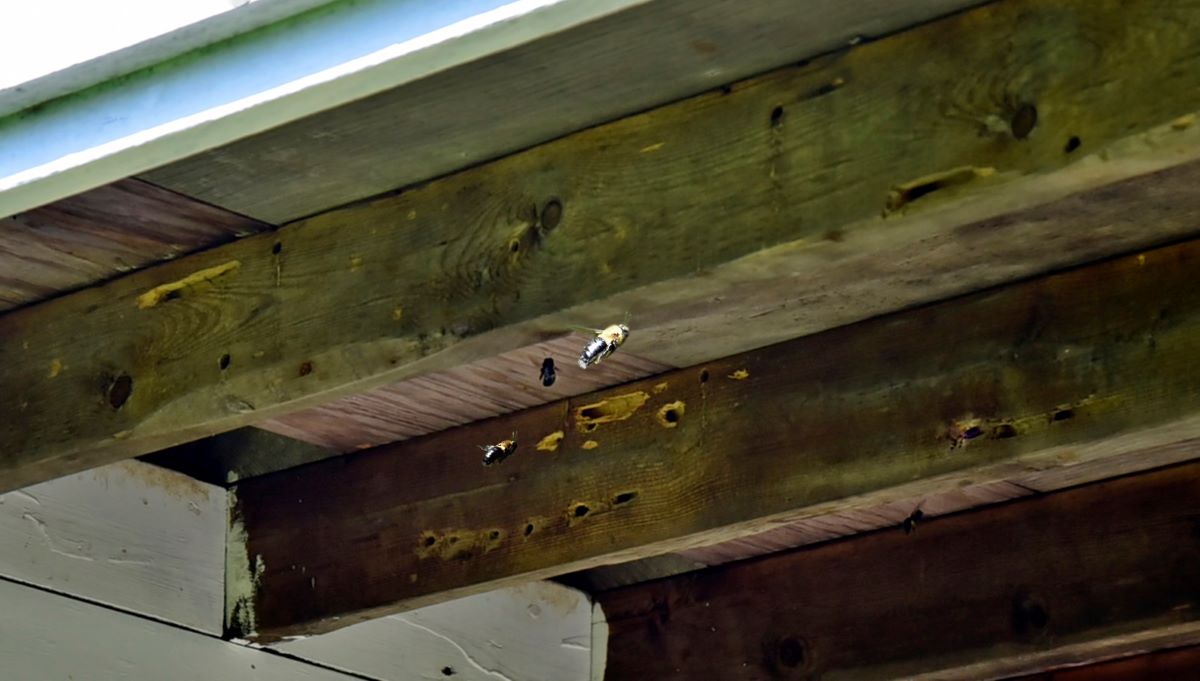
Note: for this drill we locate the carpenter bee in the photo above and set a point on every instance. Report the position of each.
(605, 343)
(493, 454)
(910, 523)
(548, 372)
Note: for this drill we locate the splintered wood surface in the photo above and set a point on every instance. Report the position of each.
(103, 233)
(475, 391)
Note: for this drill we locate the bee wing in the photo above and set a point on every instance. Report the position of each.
(584, 329)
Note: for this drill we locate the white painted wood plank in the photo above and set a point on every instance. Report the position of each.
(540, 631)
(130, 535)
(44, 636)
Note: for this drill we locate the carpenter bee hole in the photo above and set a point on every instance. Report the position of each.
(1003, 431)
(671, 416)
(1063, 414)
(223, 362)
(581, 510)
(1072, 144)
(429, 541)
(277, 248)
(119, 391)
(494, 535)
(589, 427)
(776, 116)
(514, 246)
(528, 529)
(972, 433)
(1023, 121)
(704, 375)
(448, 671)
(624, 498)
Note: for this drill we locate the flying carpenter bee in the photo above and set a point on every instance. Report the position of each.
(493, 454)
(548, 372)
(910, 523)
(605, 343)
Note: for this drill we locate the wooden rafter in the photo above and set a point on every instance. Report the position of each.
(725, 222)
(1093, 572)
(1093, 365)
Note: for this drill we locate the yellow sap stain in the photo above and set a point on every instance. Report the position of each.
(157, 294)
(550, 442)
(615, 408)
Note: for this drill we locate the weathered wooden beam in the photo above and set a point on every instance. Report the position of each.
(129, 535)
(725, 222)
(1159, 665)
(1043, 582)
(1092, 364)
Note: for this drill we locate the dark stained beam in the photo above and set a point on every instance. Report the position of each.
(1160, 665)
(1066, 578)
(1092, 365)
(961, 154)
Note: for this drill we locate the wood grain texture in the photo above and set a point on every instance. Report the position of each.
(539, 630)
(104, 233)
(474, 391)
(1092, 363)
(128, 535)
(1160, 665)
(1071, 568)
(719, 225)
(44, 636)
(635, 60)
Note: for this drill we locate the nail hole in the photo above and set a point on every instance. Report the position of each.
(1023, 121)
(704, 376)
(528, 529)
(277, 248)
(448, 671)
(791, 652)
(551, 214)
(305, 369)
(1072, 144)
(776, 116)
(1003, 431)
(581, 510)
(119, 391)
(624, 498)
(1063, 414)
(224, 362)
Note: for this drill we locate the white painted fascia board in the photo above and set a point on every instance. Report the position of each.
(234, 21)
(307, 63)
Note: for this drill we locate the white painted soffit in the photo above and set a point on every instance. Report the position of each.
(188, 102)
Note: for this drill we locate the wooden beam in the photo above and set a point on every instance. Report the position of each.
(1160, 665)
(1039, 583)
(128, 535)
(723, 223)
(1092, 365)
